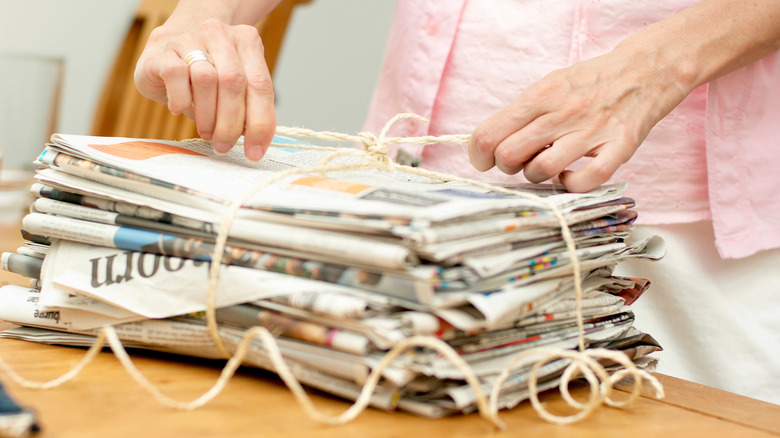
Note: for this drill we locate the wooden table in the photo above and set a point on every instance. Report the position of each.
(103, 401)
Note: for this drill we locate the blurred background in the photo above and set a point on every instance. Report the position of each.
(66, 66)
(56, 57)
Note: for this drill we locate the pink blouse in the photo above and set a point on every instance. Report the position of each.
(458, 61)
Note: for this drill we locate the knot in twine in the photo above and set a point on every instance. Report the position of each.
(375, 147)
(583, 362)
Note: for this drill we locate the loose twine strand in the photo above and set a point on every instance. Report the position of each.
(584, 362)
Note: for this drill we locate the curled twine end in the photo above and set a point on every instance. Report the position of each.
(583, 362)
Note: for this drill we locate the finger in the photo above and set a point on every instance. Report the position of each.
(231, 96)
(176, 77)
(204, 77)
(148, 77)
(172, 75)
(522, 146)
(496, 128)
(598, 171)
(203, 81)
(553, 160)
(260, 114)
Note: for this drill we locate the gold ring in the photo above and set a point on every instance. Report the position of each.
(195, 56)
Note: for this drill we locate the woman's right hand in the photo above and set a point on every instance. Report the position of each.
(230, 96)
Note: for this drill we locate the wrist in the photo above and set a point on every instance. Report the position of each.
(659, 60)
(190, 14)
(665, 77)
(707, 40)
(231, 12)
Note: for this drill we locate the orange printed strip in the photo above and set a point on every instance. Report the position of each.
(142, 150)
(332, 185)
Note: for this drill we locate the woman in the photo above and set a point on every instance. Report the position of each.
(567, 90)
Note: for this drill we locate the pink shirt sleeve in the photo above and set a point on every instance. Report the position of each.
(743, 155)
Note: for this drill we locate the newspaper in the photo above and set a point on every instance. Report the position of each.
(160, 286)
(412, 207)
(319, 242)
(342, 373)
(479, 273)
(148, 167)
(127, 284)
(341, 266)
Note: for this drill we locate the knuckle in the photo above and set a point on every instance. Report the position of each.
(232, 81)
(261, 126)
(631, 142)
(248, 33)
(624, 144)
(171, 71)
(545, 166)
(175, 109)
(507, 158)
(483, 141)
(600, 172)
(176, 106)
(575, 106)
(260, 83)
(205, 77)
(548, 85)
(623, 155)
(543, 88)
(156, 34)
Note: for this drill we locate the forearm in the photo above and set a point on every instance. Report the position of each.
(708, 40)
(190, 13)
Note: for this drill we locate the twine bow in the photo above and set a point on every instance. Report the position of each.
(375, 147)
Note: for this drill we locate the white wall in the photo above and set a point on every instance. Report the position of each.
(84, 34)
(324, 77)
(329, 63)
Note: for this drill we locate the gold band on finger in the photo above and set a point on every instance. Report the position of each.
(197, 55)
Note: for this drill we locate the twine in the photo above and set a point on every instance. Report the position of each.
(583, 362)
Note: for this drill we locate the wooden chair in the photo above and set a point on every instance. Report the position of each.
(123, 112)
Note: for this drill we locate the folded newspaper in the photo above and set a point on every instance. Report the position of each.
(341, 266)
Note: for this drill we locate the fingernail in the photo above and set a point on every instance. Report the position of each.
(254, 153)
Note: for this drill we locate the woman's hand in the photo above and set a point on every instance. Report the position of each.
(229, 96)
(601, 108)
(604, 107)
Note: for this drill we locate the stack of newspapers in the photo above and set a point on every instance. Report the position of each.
(339, 266)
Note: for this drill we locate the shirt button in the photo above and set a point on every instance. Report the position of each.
(412, 127)
(432, 26)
